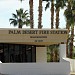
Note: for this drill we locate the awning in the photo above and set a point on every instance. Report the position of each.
(33, 36)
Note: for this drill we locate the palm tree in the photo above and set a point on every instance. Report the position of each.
(20, 18)
(72, 27)
(70, 18)
(59, 4)
(31, 14)
(67, 24)
(40, 15)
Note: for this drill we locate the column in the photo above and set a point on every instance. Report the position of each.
(62, 50)
(41, 54)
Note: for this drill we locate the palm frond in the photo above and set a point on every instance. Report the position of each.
(20, 18)
(25, 11)
(11, 19)
(24, 14)
(14, 15)
(47, 6)
(27, 22)
(19, 12)
(14, 22)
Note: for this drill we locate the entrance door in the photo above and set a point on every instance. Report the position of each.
(30, 53)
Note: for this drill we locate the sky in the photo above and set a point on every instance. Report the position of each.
(7, 7)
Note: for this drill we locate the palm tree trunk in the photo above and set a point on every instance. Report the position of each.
(57, 17)
(52, 14)
(72, 37)
(31, 14)
(40, 15)
(20, 26)
(52, 24)
(56, 55)
(67, 27)
(51, 60)
(57, 21)
(67, 48)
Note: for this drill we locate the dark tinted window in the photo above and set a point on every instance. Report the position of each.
(17, 53)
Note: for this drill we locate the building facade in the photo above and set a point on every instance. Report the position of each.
(28, 45)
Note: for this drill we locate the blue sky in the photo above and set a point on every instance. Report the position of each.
(7, 7)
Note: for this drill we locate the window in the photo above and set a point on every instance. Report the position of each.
(18, 53)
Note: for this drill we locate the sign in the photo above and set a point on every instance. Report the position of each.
(37, 32)
(33, 36)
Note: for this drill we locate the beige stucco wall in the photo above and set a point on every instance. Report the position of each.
(41, 54)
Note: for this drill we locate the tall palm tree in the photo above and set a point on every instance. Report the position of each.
(67, 27)
(70, 18)
(72, 27)
(31, 14)
(67, 24)
(20, 18)
(59, 4)
(40, 15)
